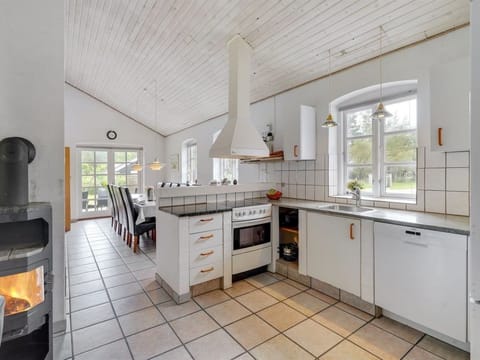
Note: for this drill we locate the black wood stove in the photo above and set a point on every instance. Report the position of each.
(26, 278)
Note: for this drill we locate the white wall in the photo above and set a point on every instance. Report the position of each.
(262, 113)
(410, 63)
(87, 120)
(31, 106)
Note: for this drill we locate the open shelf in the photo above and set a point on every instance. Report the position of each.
(289, 229)
(277, 156)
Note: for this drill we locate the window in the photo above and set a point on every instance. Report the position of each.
(224, 168)
(102, 166)
(189, 161)
(381, 155)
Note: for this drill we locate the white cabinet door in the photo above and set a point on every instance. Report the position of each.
(333, 251)
(450, 106)
(300, 135)
(421, 275)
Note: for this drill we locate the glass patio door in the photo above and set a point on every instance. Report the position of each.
(102, 166)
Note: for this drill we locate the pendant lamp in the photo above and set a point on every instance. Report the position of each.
(329, 122)
(380, 113)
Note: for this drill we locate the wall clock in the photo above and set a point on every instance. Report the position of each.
(111, 134)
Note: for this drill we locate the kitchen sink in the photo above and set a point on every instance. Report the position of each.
(346, 208)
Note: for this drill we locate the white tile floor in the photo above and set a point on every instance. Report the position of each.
(117, 311)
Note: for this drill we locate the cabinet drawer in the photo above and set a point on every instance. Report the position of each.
(206, 272)
(200, 257)
(205, 240)
(205, 223)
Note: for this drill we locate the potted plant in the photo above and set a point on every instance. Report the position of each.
(352, 185)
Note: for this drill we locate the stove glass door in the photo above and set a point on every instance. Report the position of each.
(22, 291)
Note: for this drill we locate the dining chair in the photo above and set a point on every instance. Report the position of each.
(123, 216)
(136, 230)
(114, 207)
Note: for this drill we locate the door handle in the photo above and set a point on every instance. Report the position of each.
(440, 136)
(352, 237)
(295, 150)
(206, 220)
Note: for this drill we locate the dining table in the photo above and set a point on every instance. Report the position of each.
(145, 210)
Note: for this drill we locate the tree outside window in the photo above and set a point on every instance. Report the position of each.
(381, 155)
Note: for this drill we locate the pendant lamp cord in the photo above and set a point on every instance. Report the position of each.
(330, 71)
(381, 68)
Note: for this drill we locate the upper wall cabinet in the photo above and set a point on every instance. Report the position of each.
(450, 106)
(300, 134)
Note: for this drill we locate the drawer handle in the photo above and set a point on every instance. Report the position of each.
(295, 150)
(352, 237)
(207, 253)
(206, 220)
(206, 237)
(211, 268)
(409, 232)
(440, 136)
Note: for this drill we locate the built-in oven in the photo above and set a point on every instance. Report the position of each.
(251, 233)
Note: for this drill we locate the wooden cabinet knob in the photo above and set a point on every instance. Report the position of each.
(440, 136)
(352, 237)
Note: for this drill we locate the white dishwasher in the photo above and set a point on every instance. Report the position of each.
(421, 275)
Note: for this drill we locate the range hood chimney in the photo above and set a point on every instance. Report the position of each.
(239, 138)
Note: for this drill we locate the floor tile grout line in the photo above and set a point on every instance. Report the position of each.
(113, 309)
(204, 309)
(154, 305)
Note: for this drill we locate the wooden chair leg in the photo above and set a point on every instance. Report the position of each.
(135, 243)
(129, 240)
(154, 235)
(119, 230)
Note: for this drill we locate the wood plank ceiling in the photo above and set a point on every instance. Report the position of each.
(170, 56)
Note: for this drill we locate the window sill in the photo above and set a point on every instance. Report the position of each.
(377, 199)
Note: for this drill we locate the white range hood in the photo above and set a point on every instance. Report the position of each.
(239, 138)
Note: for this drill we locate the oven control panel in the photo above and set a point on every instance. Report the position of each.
(252, 212)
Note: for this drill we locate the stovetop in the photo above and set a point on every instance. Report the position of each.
(211, 207)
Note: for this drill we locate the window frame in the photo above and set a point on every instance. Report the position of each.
(379, 190)
(111, 175)
(189, 167)
(218, 164)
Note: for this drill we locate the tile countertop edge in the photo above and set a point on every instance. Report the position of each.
(447, 223)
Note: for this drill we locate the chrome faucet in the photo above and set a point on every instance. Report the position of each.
(355, 196)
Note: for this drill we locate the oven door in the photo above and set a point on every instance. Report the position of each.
(247, 234)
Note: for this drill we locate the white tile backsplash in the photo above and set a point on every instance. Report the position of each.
(435, 179)
(458, 159)
(420, 179)
(310, 177)
(434, 159)
(319, 193)
(458, 179)
(435, 201)
(458, 203)
(314, 180)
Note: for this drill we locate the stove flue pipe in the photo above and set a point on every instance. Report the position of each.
(15, 155)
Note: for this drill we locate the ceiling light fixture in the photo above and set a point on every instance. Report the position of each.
(380, 113)
(329, 122)
(155, 165)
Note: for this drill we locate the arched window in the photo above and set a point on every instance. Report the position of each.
(189, 161)
(380, 155)
(224, 168)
